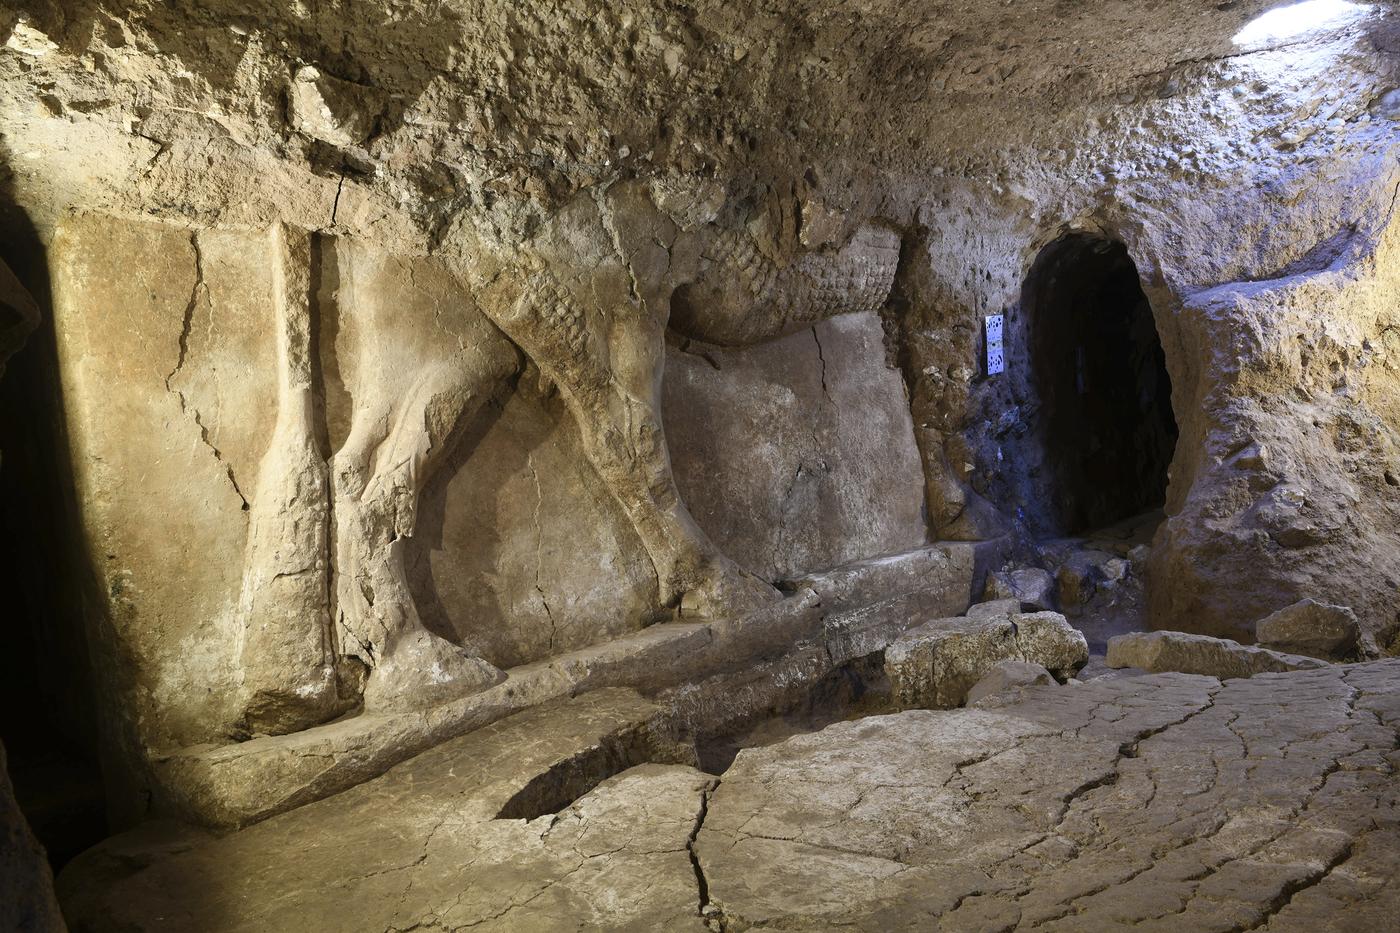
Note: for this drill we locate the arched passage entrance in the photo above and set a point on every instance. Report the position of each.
(1100, 373)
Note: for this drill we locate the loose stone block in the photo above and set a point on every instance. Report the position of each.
(1200, 654)
(1008, 676)
(935, 665)
(1313, 629)
(1034, 587)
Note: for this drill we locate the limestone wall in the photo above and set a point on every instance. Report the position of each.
(797, 455)
(403, 344)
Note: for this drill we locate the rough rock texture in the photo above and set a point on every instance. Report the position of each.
(1007, 677)
(27, 903)
(797, 455)
(1200, 654)
(1034, 587)
(1081, 573)
(935, 665)
(996, 608)
(565, 193)
(1163, 802)
(1311, 628)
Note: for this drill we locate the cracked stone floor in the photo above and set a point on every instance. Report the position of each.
(1165, 802)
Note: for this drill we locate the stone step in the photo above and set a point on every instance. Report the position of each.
(946, 568)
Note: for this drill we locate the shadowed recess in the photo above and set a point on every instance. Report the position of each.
(1097, 362)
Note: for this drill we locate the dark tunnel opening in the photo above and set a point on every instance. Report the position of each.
(48, 713)
(1098, 366)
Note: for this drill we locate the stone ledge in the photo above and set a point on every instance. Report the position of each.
(236, 785)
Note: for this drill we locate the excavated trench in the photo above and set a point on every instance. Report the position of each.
(854, 690)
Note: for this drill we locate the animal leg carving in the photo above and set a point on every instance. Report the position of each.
(378, 476)
(426, 361)
(285, 651)
(603, 345)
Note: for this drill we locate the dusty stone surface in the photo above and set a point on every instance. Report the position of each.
(27, 902)
(83, 883)
(1163, 802)
(1170, 801)
(1009, 676)
(1200, 654)
(616, 858)
(442, 809)
(1311, 628)
(935, 665)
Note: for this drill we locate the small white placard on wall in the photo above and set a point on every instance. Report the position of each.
(996, 353)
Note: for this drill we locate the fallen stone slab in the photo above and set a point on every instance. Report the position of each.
(1200, 654)
(1032, 587)
(844, 658)
(935, 665)
(1007, 677)
(1313, 629)
(944, 570)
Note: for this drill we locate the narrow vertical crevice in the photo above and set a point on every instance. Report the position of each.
(702, 884)
(335, 205)
(821, 359)
(901, 317)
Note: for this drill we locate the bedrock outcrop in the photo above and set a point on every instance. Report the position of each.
(1165, 802)
(1161, 802)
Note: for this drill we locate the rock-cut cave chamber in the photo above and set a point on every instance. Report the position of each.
(700, 466)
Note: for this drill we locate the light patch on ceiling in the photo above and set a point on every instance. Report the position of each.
(1299, 19)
